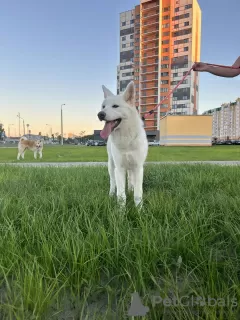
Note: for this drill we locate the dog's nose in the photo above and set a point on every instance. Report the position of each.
(101, 115)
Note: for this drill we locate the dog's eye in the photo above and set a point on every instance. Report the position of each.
(115, 106)
(103, 107)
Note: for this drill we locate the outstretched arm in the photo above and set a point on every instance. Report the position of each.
(219, 71)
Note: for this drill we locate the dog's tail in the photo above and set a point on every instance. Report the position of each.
(23, 138)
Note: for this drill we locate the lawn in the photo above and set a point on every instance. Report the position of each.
(98, 154)
(67, 252)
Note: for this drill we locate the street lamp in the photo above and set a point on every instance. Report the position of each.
(62, 124)
(9, 133)
(18, 116)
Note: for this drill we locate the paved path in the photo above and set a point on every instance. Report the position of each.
(96, 164)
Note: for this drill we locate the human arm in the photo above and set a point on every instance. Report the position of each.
(219, 71)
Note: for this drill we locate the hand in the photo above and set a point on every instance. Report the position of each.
(200, 66)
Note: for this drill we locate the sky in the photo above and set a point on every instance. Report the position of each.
(62, 51)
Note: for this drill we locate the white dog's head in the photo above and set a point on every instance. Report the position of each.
(39, 144)
(116, 109)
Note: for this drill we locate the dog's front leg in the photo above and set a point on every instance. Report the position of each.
(138, 182)
(120, 176)
(112, 177)
(40, 154)
(35, 154)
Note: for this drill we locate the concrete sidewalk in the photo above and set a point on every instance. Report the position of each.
(97, 164)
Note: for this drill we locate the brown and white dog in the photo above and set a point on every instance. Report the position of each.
(34, 145)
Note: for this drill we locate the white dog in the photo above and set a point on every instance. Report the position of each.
(127, 144)
(34, 145)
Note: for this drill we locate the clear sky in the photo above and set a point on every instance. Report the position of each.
(62, 51)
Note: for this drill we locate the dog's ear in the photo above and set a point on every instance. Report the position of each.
(129, 93)
(107, 92)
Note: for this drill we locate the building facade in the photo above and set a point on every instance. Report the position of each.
(226, 121)
(185, 130)
(159, 42)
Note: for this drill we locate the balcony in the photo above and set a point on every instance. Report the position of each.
(150, 32)
(149, 64)
(150, 24)
(149, 88)
(150, 48)
(151, 40)
(150, 7)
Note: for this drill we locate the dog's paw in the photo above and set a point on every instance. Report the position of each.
(138, 202)
(112, 193)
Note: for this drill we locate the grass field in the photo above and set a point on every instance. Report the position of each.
(98, 154)
(66, 252)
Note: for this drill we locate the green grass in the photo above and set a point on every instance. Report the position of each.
(98, 154)
(66, 252)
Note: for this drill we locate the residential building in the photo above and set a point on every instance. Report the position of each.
(167, 41)
(226, 121)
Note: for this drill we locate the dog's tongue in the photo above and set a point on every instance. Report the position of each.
(107, 129)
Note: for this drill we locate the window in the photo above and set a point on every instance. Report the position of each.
(185, 72)
(164, 81)
(156, 92)
(177, 9)
(137, 47)
(164, 66)
(164, 74)
(185, 65)
(156, 68)
(132, 36)
(164, 58)
(185, 48)
(166, 17)
(156, 84)
(174, 98)
(176, 26)
(166, 9)
(137, 16)
(175, 50)
(185, 98)
(185, 40)
(164, 90)
(123, 23)
(175, 74)
(164, 106)
(165, 25)
(188, 6)
(144, 93)
(123, 45)
(186, 23)
(166, 34)
(131, 44)
(185, 57)
(165, 42)
(165, 50)
(145, 47)
(132, 21)
(123, 38)
(156, 60)
(156, 100)
(186, 15)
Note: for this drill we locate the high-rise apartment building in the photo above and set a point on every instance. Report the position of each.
(226, 121)
(159, 42)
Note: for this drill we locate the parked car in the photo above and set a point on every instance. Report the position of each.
(237, 142)
(90, 143)
(101, 143)
(154, 143)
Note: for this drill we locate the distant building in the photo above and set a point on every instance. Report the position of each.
(226, 120)
(186, 130)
